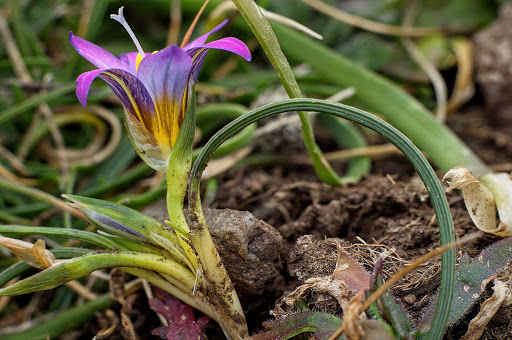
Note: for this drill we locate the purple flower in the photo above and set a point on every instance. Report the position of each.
(151, 86)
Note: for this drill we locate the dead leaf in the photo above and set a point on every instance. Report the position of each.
(35, 255)
(350, 272)
(348, 278)
(487, 310)
(480, 200)
(500, 185)
(353, 328)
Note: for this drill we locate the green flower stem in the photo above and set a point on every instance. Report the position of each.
(404, 112)
(214, 276)
(178, 168)
(266, 37)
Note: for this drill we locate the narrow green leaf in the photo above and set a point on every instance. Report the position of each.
(32, 102)
(76, 234)
(391, 310)
(469, 277)
(298, 323)
(268, 40)
(20, 267)
(396, 137)
(73, 269)
(64, 322)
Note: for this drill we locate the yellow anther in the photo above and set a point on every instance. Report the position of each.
(137, 61)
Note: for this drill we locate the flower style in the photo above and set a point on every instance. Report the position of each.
(152, 86)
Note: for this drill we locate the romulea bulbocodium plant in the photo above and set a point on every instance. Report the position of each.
(158, 97)
(157, 93)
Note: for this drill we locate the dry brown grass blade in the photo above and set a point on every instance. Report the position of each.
(464, 87)
(173, 34)
(426, 65)
(222, 164)
(12, 177)
(85, 18)
(487, 311)
(370, 25)
(191, 28)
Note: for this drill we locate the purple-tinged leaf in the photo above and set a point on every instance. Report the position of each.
(469, 276)
(349, 271)
(388, 307)
(180, 317)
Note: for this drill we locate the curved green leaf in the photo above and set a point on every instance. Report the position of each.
(396, 137)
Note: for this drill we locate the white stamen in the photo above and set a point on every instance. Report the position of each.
(120, 19)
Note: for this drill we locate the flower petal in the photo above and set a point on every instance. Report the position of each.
(165, 75)
(152, 153)
(129, 59)
(126, 86)
(83, 84)
(227, 44)
(232, 45)
(140, 117)
(95, 54)
(133, 94)
(202, 39)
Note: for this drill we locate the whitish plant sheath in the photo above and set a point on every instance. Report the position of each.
(482, 197)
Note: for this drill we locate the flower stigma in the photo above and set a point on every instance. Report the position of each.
(119, 17)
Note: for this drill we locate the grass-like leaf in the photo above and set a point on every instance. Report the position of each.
(396, 137)
(68, 270)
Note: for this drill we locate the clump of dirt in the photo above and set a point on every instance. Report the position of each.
(249, 247)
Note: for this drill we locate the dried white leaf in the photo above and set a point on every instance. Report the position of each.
(479, 200)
